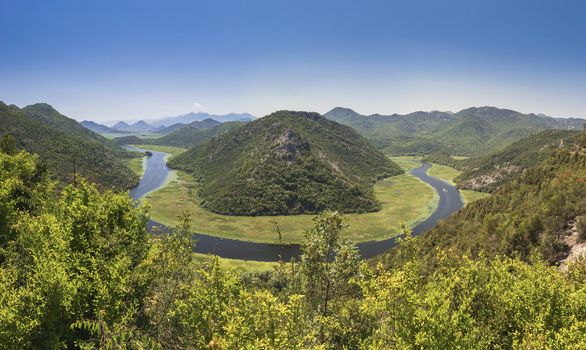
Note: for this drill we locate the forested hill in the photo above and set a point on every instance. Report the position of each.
(192, 135)
(46, 114)
(287, 163)
(470, 132)
(62, 143)
(532, 213)
(487, 173)
(186, 136)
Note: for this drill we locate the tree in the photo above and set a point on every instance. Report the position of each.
(8, 144)
(328, 266)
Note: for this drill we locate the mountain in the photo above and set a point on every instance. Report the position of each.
(536, 213)
(46, 114)
(186, 136)
(287, 163)
(470, 132)
(190, 136)
(122, 126)
(200, 116)
(64, 145)
(98, 128)
(139, 126)
(487, 173)
(163, 130)
(205, 124)
(131, 140)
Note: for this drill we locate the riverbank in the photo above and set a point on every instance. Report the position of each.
(404, 198)
(448, 174)
(445, 199)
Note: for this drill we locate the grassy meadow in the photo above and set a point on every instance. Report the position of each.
(239, 265)
(404, 198)
(173, 151)
(448, 175)
(136, 165)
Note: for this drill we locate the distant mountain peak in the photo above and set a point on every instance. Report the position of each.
(201, 116)
(120, 123)
(141, 123)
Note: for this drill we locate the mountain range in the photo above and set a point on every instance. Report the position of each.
(167, 125)
(200, 116)
(99, 128)
(470, 132)
(180, 135)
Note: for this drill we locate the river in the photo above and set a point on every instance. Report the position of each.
(156, 173)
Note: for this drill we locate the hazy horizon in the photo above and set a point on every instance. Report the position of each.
(108, 60)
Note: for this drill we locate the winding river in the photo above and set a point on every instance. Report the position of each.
(155, 176)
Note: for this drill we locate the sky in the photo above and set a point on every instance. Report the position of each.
(126, 60)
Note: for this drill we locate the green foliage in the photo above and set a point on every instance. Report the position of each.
(187, 136)
(470, 132)
(443, 158)
(581, 227)
(528, 214)
(287, 163)
(190, 136)
(473, 304)
(66, 147)
(8, 144)
(79, 270)
(489, 172)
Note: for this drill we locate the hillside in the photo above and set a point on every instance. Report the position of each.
(99, 128)
(487, 173)
(287, 163)
(531, 213)
(46, 114)
(190, 135)
(164, 130)
(470, 132)
(187, 136)
(61, 142)
(139, 126)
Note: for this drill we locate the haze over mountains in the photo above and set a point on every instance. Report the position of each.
(199, 116)
(167, 124)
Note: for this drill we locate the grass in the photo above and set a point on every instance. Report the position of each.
(444, 173)
(407, 163)
(239, 265)
(470, 196)
(404, 198)
(143, 135)
(448, 175)
(136, 165)
(459, 157)
(173, 151)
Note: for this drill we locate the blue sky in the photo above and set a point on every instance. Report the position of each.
(108, 60)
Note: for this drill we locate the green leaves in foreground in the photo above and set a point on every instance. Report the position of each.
(79, 270)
